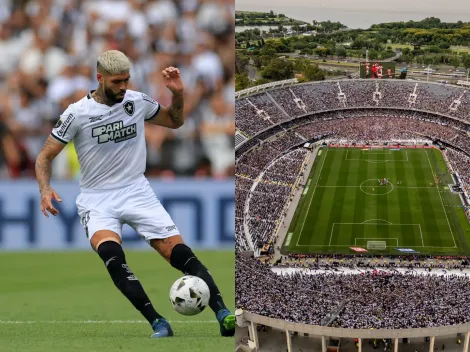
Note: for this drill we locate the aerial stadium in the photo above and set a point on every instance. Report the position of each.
(352, 215)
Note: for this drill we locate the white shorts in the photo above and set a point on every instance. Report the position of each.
(135, 205)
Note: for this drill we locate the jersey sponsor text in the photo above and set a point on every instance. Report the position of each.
(114, 131)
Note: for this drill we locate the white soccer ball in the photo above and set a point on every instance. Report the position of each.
(189, 295)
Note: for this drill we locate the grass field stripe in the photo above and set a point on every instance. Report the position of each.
(311, 199)
(12, 322)
(442, 202)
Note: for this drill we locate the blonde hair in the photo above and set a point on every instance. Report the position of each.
(113, 62)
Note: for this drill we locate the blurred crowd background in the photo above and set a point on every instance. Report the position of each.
(48, 61)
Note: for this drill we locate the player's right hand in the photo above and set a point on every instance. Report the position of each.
(46, 202)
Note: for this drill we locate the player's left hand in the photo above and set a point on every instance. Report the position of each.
(173, 81)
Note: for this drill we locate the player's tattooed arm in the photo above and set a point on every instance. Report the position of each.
(43, 168)
(171, 116)
(44, 165)
(175, 110)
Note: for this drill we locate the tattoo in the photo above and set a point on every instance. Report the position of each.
(100, 96)
(176, 110)
(167, 241)
(43, 166)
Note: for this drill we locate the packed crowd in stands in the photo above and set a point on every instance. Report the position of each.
(461, 163)
(306, 98)
(372, 299)
(267, 201)
(49, 52)
(354, 261)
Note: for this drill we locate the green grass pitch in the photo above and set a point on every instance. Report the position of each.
(67, 302)
(344, 205)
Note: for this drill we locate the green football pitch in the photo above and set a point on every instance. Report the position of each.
(67, 302)
(344, 205)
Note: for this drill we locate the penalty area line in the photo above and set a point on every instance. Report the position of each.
(12, 322)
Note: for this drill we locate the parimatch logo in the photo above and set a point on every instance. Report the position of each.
(114, 131)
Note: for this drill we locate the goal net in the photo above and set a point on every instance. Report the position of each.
(378, 245)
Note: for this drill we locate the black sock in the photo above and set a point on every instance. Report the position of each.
(183, 259)
(113, 256)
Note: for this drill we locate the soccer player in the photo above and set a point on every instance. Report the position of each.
(107, 127)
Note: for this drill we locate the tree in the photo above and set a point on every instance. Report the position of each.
(466, 61)
(278, 69)
(322, 52)
(241, 61)
(434, 49)
(241, 82)
(341, 51)
(306, 51)
(268, 50)
(373, 54)
(301, 64)
(455, 61)
(444, 45)
(313, 73)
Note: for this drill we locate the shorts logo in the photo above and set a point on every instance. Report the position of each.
(129, 107)
(114, 131)
(64, 125)
(170, 228)
(85, 219)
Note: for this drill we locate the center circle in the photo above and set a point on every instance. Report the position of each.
(373, 188)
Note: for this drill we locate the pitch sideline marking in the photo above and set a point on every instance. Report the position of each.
(311, 199)
(442, 202)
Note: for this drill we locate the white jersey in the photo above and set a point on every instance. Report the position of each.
(109, 140)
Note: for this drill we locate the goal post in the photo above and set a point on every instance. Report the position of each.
(377, 245)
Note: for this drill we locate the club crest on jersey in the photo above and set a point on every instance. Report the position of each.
(114, 131)
(129, 107)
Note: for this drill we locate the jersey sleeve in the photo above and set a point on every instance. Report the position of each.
(66, 127)
(151, 107)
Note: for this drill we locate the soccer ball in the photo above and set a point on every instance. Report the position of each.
(189, 295)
